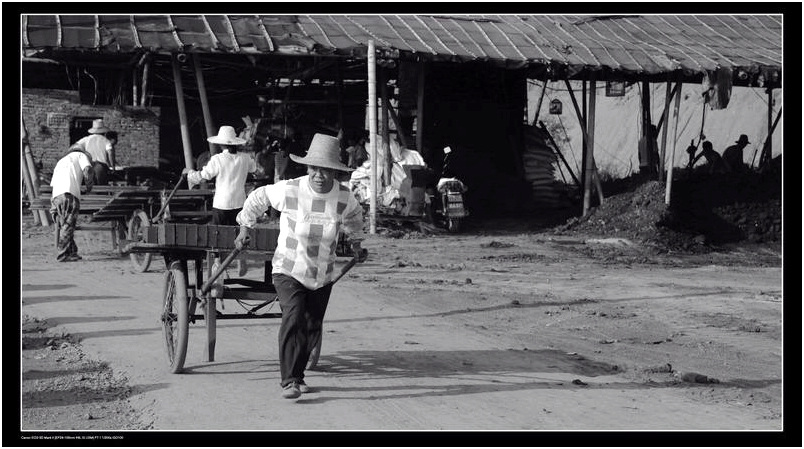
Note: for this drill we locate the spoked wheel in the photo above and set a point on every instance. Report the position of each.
(175, 316)
(313, 361)
(136, 226)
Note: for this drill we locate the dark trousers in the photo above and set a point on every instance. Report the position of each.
(65, 208)
(225, 216)
(101, 172)
(302, 317)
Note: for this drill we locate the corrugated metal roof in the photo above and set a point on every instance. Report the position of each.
(648, 44)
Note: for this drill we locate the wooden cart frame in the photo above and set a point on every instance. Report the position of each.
(187, 291)
(127, 210)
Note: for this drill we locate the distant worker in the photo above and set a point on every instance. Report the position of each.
(230, 168)
(70, 172)
(733, 155)
(101, 149)
(714, 162)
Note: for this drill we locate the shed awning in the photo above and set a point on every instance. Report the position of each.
(638, 44)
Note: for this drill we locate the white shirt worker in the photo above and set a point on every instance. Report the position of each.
(231, 171)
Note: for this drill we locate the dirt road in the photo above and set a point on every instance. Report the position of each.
(478, 331)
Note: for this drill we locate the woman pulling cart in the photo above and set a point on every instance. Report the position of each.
(314, 210)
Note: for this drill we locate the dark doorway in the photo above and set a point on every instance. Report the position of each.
(80, 127)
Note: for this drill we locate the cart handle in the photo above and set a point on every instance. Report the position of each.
(207, 286)
(345, 269)
(167, 201)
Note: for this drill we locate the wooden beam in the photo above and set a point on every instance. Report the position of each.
(675, 141)
(420, 112)
(400, 132)
(185, 132)
(587, 168)
(202, 92)
(339, 91)
(561, 156)
(27, 154)
(386, 133)
(667, 97)
(765, 156)
(645, 159)
(539, 103)
(666, 111)
(591, 175)
(372, 113)
(146, 68)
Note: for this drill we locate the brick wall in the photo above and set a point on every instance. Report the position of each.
(49, 113)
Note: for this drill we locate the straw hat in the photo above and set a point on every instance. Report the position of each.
(324, 151)
(226, 136)
(98, 127)
(743, 139)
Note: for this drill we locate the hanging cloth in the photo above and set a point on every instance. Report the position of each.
(717, 87)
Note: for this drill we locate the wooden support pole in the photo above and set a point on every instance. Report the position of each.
(135, 95)
(26, 178)
(372, 113)
(765, 156)
(202, 93)
(339, 92)
(558, 152)
(675, 141)
(146, 68)
(645, 159)
(420, 112)
(584, 143)
(667, 110)
(44, 217)
(590, 163)
(539, 103)
(587, 167)
(185, 132)
(667, 97)
(399, 131)
(386, 133)
(769, 142)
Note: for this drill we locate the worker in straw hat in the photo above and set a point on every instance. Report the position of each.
(733, 155)
(101, 149)
(314, 210)
(230, 167)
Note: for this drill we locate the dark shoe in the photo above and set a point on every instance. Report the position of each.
(71, 258)
(303, 387)
(291, 391)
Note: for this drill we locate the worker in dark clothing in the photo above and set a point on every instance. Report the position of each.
(714, 162)
(733, 155)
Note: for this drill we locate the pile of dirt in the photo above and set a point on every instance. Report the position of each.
(63, 389)
(705, 210)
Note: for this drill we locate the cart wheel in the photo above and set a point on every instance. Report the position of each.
(316, 352)
(136, 225)
(175, 316)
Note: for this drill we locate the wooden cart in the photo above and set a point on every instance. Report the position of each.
(127, 210)
(187, 290)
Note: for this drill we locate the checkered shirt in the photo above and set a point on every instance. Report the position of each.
(309, 226)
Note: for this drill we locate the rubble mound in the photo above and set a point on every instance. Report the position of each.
(704, 210)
